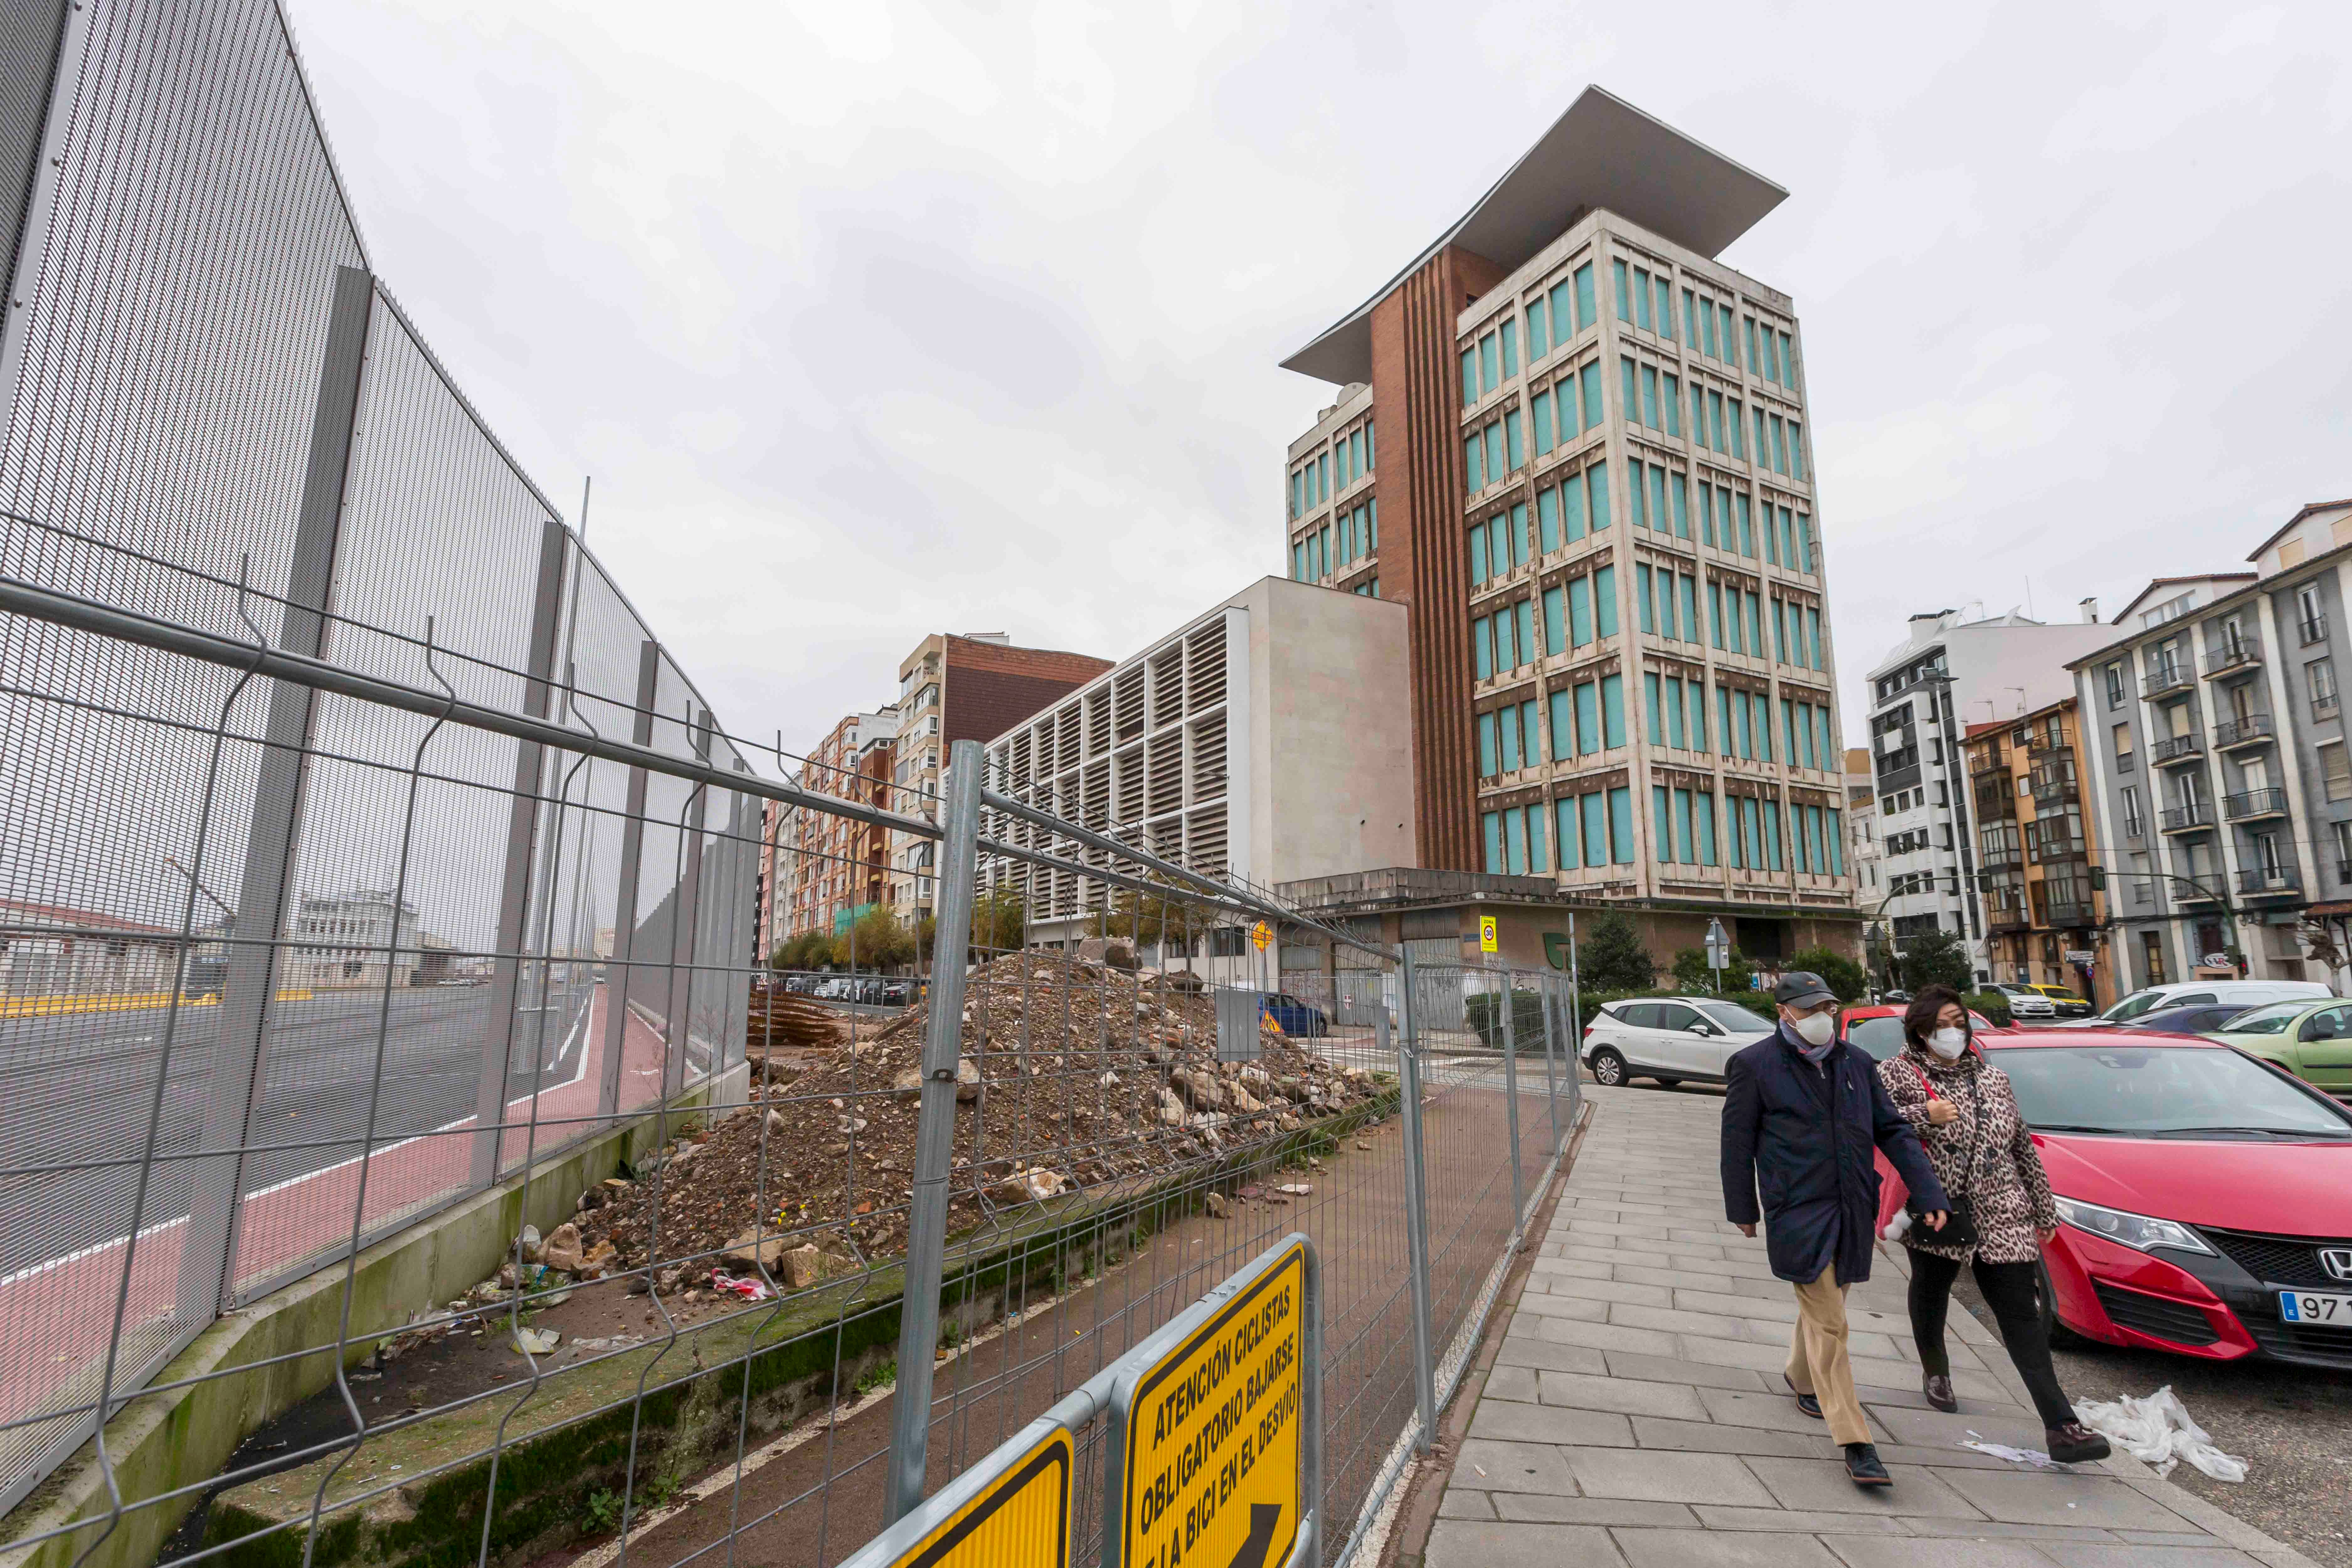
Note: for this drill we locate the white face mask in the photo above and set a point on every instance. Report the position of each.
(1948, 1043)
(1816, 1028)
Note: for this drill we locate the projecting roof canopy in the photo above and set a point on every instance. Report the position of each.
(1603, 153)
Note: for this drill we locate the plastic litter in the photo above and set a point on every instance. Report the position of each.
(2033, 1456)
(536, 1342)
(1897, 1228)
(2159, 1431)
(749, 1289)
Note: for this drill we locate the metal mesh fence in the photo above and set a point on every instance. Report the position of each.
(369, 859)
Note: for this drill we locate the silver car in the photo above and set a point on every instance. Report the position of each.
(1668, 1039)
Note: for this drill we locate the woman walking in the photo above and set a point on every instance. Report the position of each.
(2001, 1211)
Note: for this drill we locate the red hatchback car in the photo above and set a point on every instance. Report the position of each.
(2206, 1195)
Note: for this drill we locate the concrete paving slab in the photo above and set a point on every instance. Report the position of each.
(1656, 1476)
(1526, 1351)
(1609, 1290)
(2138, 1556)
(1471, 1544)
(1779, 1305)
(1770, 1360)
(1889, 1551)
(1705, 1549)
(1493, 1466)
(1823, 1485)
(2048, 1497)
(1548, 1424)
(1595, 1336)
(1671, 1369)
(1631, 1398)
(1592, 1510)
(1544, 1304)
(1706, 1438)
(1509, 1383)
(1759, 1519)
(1713, 1325)
(1777, 1412)
(1459, 1502)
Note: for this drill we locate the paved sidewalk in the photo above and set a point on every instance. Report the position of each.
(1636, 1416)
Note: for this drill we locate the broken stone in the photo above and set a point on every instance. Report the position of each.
(804, 1265)
(1296, 1189)
(1245, 1103)
(967, 1080)
(1109, 1080)
(528, 1243)
(776, 1123)
(563, 1249)
(600, 1261)
(1033, 1185)
(749, 1250)
(1216, 1205)
(536, 1342)
(908, 1084)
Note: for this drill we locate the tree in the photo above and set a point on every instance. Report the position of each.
(1172, 922)
(1692, 973)
(1611, 957)
(1843, 975)
(809, 949)
(1000, 921)
(878, 941)
(1935, 957)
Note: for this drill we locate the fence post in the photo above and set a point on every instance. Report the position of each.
(1511, 1094)
(1417, 1214)
(1551, 1075)
(617, 974)
(927, 1222)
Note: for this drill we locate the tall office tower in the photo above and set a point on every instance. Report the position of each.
(1575, 444)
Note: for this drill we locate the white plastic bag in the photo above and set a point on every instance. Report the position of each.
(2160, 1431)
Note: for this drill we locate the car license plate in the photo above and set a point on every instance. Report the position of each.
(2315, 1307)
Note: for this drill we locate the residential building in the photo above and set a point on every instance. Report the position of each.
(1577, 447)
(2035, 849)
(1862, 852)
(2216, 764)
(1951, 670)
(835, 868)
(1261, 741)
(968, 687)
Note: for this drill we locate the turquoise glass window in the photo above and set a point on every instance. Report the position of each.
(1579, 611)
(1547, 520)
(1539, 340)
(1604, 601)
(1585, 313)
(1588, 719)
(1621, 826)
(1613, 711)
(1597, 477)
(1539, 416)
(1596, 830)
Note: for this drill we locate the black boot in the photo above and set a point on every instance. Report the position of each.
(1937, 1388)
(1862, 1463)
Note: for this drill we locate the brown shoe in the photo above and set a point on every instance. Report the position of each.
(2075, 1444)
(1937, 1388)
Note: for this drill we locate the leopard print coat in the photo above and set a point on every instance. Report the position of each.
(2008, 1188)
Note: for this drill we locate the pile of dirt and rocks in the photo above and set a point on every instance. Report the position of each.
(1073, 1074)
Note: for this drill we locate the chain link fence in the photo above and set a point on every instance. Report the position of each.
(406, 1153)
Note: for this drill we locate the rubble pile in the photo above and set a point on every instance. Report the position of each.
(1072, 1074)
(781, 1020)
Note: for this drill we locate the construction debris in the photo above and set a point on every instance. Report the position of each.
(1070, 1074)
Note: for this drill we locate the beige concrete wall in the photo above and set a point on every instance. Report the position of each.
(1331, 733)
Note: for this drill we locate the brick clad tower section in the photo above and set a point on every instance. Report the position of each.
(1416, 393)
(992, 687)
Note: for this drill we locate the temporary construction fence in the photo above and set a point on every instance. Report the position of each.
(376, 923)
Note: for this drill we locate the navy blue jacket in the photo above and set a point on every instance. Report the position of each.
(1804, 1137)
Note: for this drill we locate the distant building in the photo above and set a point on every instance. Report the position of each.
(2216, 765)
(2035, 849)
(833, 867)
(57, 950)
(1263, 741)
(1948, 672)
(357, 939)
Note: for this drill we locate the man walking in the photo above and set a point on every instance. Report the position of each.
(1804, 1113)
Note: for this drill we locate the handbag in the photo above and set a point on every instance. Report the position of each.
(1959, 1219)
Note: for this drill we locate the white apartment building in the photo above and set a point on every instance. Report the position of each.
(2214, 741)
(1949, 672)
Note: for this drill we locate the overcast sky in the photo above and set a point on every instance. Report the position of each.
(875, 320)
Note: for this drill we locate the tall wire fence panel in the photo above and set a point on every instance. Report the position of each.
(369, 862)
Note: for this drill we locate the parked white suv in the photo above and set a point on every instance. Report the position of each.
(2204, 993)
(1669, 1038)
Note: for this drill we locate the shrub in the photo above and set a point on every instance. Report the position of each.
(810, 950)
(1936, 958)
(1692, 973)
(1843, 975)
(1611, 957)
(1993, 1004)
(1484, 1013)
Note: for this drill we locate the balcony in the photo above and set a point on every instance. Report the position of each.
(2312, 630)
(2324, 707)
(2000, 922)
(2187, 892)
(2234, 657)
(2055, 792)
(2008, 857)
(2253, 730)
(2253, 804)
(2165, 679)
(2069, 914)
(2134, 827)
(2196, 817)
(2269, 882)
(2039, 743)
(2175, 749)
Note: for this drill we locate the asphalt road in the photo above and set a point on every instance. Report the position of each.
(79, 1086)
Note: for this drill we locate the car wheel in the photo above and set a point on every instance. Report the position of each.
(1608, 1067)
(2055, 1333)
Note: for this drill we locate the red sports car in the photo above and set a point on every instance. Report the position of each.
(2206, 1195)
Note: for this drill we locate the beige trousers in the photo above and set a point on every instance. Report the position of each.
(1817, 1357)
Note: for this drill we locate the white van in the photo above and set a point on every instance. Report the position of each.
(2204, 993)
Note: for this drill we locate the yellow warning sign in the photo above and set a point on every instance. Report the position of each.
(1019, 1517)
(1211, 1432)
(1262, 935)
(1489, 942)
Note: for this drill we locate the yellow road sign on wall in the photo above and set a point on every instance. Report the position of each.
(1018, 1515)
(1208, 1433)
(1488, 941)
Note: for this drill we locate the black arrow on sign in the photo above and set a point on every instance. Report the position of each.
(1264, 1516)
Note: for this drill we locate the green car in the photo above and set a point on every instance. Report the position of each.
(2311, 1039)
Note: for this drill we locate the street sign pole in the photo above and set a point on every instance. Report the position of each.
(1717, 951)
